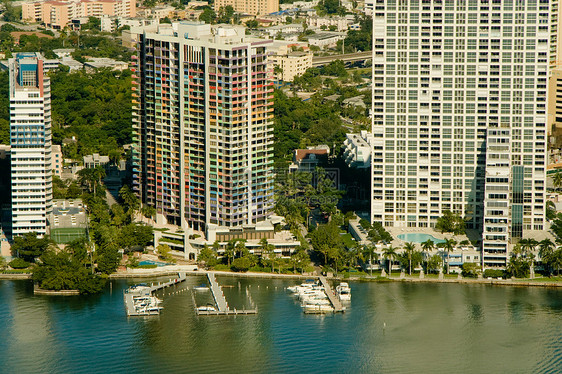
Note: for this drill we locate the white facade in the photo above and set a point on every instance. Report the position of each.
(459, 116)
(30, 138)
(357, 149)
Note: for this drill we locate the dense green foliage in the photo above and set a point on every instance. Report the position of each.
(12, 13)
(450, 222)
(19, 263)
(470, 269)
(494, 273)
(66, 269)
(95, 108)
(29, 246)
(330, 7)
(299, 124)
(359, 40)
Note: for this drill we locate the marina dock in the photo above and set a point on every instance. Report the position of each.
(336, 303)
(222, 307)
(130, 295)
(218, 295)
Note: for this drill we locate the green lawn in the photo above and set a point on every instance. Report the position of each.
(67, 234)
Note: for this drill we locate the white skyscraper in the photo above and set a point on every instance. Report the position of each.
(459, 115)
(30, 138)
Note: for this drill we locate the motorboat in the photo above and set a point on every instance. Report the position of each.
(343, 291)
(207, 308)
(142, 288)
(311, 294)
(316, 301)
(317, 309)
(311, 284)
(202, 287)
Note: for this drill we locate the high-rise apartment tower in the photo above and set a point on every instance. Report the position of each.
(459, 115)
(30, 139)
(203, 99)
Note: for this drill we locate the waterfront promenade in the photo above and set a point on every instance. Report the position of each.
(151, 273)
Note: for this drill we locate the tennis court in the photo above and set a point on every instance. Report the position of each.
(67, 234)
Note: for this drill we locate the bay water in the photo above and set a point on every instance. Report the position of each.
(387, 328)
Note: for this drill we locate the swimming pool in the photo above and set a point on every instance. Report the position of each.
(419, 238)
(150, 262)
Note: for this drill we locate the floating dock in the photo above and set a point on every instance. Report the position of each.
(336, 303)
(222, 308)
(129, 295)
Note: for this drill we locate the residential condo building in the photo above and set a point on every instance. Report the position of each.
(30, 140)
(57, 14)
(459, 116)
(203, 125)
(252, 7)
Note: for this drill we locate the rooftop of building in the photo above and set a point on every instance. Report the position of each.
(321, 150)
(192, 30)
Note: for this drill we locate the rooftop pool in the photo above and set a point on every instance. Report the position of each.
(418, 237)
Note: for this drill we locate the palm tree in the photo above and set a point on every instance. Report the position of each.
(369, 251)
(546, 251)
(389, 254)
(409, 248)
(268, 251)
(427, 247)
(449, 246)
(148, 211)
(528, 246)
(557, 180)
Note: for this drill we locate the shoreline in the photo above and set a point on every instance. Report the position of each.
(493, 282)
(166, 273)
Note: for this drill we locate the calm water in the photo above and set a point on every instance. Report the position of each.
(430, 328)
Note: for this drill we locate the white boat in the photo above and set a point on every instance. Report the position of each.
(310, 308)
(303, 287)
(311, 294)
(201, 288)
(142, 288)
(316, 301)
(207, 308)
(343, 291)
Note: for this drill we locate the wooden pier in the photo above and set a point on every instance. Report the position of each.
(336, 303)
(129, 296)
(222, 308)
(218, 295)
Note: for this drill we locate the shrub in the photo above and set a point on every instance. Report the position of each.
(470, 269)
(19, 263)
(494, 273)
(221, 267)
(241, 264)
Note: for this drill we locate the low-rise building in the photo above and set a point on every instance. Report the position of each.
(306, 160)
(292, 64)
(95, 63)
(57, 14)
(72, 64)
(299, 5)
(284, 29)
(56, 160)
(92, 161)
(63, 52)
(254, 7)
(325, 39)
(337, 23)
(355, 102)
(357, 149)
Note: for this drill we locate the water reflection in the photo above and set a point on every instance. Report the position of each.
(389, 328)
